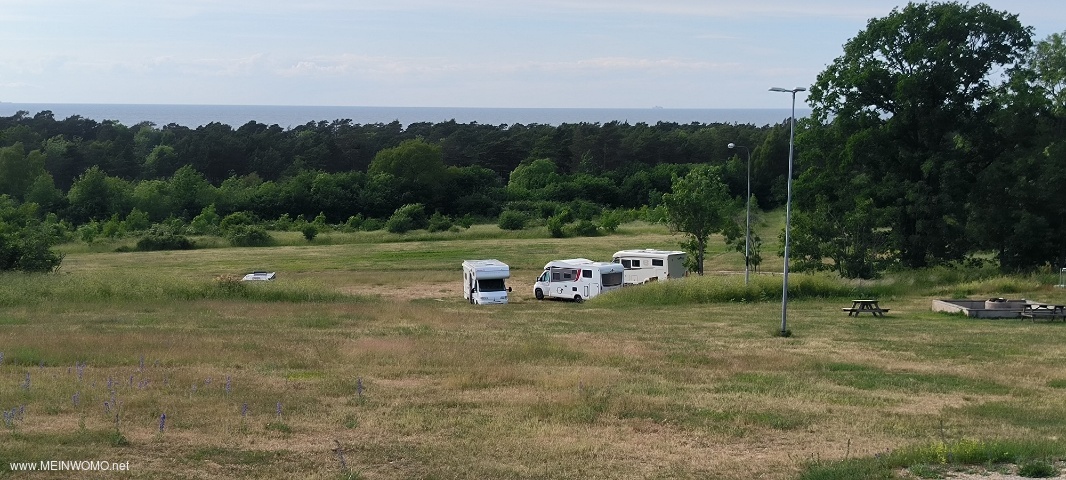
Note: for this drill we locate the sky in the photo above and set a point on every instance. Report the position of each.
(436, 53)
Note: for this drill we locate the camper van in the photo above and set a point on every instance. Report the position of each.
(577, 278)
(647, 265)
(484, 281)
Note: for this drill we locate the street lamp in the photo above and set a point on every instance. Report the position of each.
(747, 223)
(788, 205)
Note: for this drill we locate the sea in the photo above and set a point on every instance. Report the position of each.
(193, 116)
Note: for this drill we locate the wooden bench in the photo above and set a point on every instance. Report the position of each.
(857, 311)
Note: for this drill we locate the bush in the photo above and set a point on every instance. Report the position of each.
(555, 226)
(406, 218)
(30, 253)
(373, 224)
(249, 236)
(310, 231)
(163, 237)
(439, 223)
(610, 220)
(584, 228)
(354, 223)
(1037, 469)
(512, 220)
(234, 220)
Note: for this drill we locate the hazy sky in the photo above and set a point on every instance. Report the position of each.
(446, 53)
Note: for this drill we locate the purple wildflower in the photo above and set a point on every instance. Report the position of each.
(162, 422)
(278, 409)
(244, 410)
(229, 384)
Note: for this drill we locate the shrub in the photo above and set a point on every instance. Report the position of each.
(30, 253)
(406, 218)
(610, 220)
(310, 231)
(248, 236)
(163, 237)
(439, 223)
(512, 220)
(1037, 469)
(373, 224)
(584, 228)
(555, 226)
(354, 223)
(235, 220)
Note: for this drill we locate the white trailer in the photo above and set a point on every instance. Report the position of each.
(484, 281)
(577, 278)
(648, 265)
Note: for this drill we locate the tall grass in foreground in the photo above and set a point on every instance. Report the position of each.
(20, 289)
(936, 459)
(731, 288)
(938, 281)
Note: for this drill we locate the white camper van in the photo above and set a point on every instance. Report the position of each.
(484, 281)
(577, 278)
(649, 265)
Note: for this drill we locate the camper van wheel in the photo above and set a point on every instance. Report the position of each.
(578, 299)
(539, 294)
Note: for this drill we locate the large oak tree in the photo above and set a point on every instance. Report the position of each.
(904, 118)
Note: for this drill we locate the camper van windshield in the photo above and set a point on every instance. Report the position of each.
(494, 285)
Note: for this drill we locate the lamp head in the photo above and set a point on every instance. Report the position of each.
(732, 145)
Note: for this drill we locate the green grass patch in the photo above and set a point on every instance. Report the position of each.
(865, 377)
(929, 460)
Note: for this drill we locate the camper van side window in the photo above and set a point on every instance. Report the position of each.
(636, 263)
(656, 263)
(626, 264)
(586, 273)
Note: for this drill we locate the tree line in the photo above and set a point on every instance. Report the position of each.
(936, 137)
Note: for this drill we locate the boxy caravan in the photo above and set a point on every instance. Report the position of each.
(577, 278)
(484, 281)
(647, 265)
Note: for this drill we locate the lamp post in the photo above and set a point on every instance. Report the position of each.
(788, 205)
(747, 221)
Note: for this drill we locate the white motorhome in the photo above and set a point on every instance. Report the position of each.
(484, 281)
(648, 265)
(577, 278)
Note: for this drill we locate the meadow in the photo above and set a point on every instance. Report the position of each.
(362, 360)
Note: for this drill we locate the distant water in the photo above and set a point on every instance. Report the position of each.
(291, 116)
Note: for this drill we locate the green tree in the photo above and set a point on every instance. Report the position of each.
(699, 206)
(1048, 62)
(18, 170)
(417, 167)
(24, 244)
(908, 109)
(95, 195)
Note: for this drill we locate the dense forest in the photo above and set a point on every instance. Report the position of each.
(84, 170)
(932, 140)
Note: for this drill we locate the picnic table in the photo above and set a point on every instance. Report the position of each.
(865, 306)
(1034, 311)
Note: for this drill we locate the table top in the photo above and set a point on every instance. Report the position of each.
(864, 301)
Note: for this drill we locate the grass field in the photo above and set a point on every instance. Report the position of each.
(363, 361)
